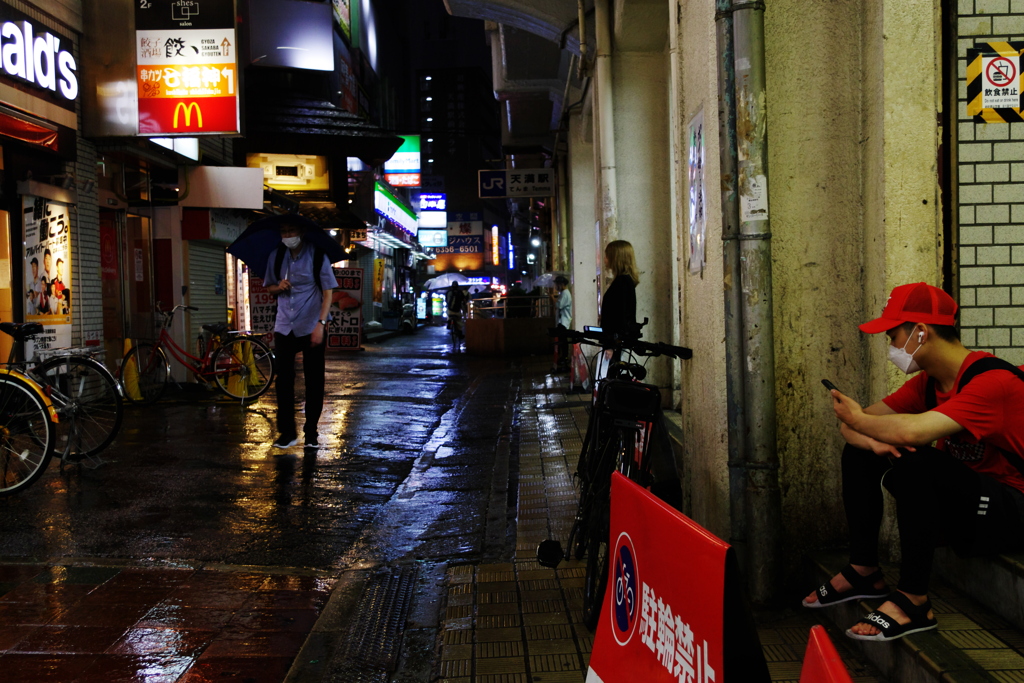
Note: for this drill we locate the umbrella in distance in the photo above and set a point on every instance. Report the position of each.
(262, 237)
(445, 281)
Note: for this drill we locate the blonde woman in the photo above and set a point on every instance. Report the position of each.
(618, 306)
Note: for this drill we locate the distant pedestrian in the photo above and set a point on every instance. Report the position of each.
(303, 307)
(563, 319)
(618, 306)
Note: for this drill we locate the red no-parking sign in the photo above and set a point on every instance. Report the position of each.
(666, 616)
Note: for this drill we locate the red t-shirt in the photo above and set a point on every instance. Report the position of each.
(987, 409)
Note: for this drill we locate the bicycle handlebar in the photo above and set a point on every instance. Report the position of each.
(616, 341)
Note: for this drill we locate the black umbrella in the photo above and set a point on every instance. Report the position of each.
(261, 239)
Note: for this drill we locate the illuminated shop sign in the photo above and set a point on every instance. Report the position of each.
(433, 219)
(38, 57)
(433, 202)
(432, 238)
(187, 68)
(387, 205)
(403, 169)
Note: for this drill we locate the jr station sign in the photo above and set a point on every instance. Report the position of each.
(187, 67)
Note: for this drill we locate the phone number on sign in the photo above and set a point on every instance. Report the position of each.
(457, 250)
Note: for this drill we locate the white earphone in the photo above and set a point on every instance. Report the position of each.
(920, 337)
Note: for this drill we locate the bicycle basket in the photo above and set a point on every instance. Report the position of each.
(625, 399)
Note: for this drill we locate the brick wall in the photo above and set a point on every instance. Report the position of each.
(991, 199)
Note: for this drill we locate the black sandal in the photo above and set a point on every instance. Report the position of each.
(889, 628)
(862, 587)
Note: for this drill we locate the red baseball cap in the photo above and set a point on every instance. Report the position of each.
(915, 303)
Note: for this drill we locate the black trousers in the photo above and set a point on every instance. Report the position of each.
(939, 501)
(286, 347)
(562, 349)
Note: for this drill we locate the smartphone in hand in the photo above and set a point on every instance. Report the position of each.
(829, 385)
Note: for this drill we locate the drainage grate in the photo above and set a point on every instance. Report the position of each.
(371, 648)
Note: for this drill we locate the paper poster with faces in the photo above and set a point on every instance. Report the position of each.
(47, 292)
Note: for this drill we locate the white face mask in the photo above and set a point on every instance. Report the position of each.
(291, 242)
(903, 360)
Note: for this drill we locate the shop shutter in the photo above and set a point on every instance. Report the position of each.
(207, 286)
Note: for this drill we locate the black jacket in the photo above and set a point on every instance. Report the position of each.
(618, 307)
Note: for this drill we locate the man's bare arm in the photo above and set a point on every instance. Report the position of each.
(902, 429)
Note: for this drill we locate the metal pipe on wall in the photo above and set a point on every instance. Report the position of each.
(755, 502)
(763, 498)
(735, 367)
(606, 119)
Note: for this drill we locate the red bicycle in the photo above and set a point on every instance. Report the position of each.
(239, 364)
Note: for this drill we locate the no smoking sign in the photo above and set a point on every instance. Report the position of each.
(1001, 87)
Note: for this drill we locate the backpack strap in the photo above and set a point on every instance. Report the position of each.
(278, 261)
(930, 398)
(318, 262)
(973, 370)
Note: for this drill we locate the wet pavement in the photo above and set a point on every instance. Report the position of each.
(401, 550)
(194, 543)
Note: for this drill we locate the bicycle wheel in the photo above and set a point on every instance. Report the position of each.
(598, 528)
(144, 373)
(88, 403)
(26, 435)
(596, 580)
(244, 368)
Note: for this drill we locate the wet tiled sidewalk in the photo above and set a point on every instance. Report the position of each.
(109, 624)
(521, 623)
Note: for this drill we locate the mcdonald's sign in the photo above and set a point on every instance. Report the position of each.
(192, 116)
(188, 109)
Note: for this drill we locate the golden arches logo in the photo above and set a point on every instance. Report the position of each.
(188, 109)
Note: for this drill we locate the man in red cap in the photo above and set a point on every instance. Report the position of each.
(967, 490)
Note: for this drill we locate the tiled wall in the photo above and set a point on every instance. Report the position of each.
(991, 195)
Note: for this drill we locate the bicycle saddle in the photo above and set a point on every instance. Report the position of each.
(216, 328)
(21, 331)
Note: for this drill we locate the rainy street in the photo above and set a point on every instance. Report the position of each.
(412, 470)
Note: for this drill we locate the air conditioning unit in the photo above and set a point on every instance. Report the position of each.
(294, 172)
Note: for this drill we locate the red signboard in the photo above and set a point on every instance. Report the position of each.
(662, 618)
(173, 115)
(345, 331)
(186, 68)
(822, 664)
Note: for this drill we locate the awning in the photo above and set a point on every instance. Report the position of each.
(301, 126)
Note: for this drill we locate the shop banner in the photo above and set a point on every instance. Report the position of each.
(262, 307)
(47, 272)
(672, 598)
(347, 311)
(378, 280)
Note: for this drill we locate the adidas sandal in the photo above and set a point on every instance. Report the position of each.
(889, 628)
(862, 587)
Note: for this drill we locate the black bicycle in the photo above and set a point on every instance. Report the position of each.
(623, 420)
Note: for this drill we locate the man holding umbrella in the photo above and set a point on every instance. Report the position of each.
(303, 290)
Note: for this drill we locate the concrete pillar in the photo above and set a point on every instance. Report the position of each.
(642, 153)
(582, 183)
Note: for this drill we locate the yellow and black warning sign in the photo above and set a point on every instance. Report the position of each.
(994, 82)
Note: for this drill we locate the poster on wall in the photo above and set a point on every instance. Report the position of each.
(346, 326)
(698, 215)
(262, 307)
(343, 15)
(47, 273)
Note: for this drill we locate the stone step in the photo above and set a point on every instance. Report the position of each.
(971, 644)
(996, 582)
